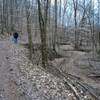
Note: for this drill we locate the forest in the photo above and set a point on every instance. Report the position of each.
(49, 49)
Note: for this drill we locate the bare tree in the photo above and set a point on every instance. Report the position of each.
(60, 10)
(55, 33)
(99, 22)
(42, 24)
(75, 21)
(28, 16)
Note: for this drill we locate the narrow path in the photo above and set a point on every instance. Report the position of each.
(8, 87)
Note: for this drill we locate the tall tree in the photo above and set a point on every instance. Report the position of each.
(99, 22)
(42, 24)
(28, 16)
(55, 33)
(12, 15)
(75, 22)
(60, 11)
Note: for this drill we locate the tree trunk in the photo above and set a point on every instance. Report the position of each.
(55, 33)
(75, 20)
(28, 15)
(42, 24)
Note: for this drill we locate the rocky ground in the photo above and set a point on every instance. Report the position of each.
(21, 80)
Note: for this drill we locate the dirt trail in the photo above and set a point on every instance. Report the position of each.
(8, 87)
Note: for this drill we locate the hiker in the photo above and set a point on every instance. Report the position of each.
(15, 37)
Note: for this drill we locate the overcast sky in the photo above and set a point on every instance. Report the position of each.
(95, 1)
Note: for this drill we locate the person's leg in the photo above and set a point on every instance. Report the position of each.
(15, 40)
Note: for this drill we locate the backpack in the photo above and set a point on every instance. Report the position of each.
(15, 35)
